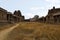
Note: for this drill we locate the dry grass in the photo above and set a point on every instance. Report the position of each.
(5, 26)
(35, 31)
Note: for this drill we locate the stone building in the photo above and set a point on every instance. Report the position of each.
(42, 19)
(19, 15)
(53, 16)
(3, 15)
(8, 17)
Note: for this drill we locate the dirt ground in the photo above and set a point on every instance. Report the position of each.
(31, 31)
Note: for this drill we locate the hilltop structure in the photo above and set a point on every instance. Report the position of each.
(8, 17)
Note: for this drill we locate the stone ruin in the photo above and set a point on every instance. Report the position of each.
(8, 17)
(53, 16)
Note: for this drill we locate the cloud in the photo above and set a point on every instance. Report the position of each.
(36, 11)
(36, 8)
(32, 14)
(53, 1)
(28, 15)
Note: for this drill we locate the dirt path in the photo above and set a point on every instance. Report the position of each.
(4, 33)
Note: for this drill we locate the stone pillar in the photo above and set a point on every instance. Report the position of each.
(58, 19)
(47, 19)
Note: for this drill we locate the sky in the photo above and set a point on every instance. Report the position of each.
(29, 8)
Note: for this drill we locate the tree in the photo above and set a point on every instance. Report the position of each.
(36, 17)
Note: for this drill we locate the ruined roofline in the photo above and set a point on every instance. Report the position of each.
(9, 13)
(17, 12)
(54, 8)
(3, 9)
(13, 15)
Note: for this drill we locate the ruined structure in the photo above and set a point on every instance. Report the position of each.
(8, 17)
(19, 16)
(42, 19)
(53, 16)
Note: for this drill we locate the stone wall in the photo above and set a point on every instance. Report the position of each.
(9, 17)
(53, 16)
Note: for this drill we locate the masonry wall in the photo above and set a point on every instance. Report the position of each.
(3, 16)
(8, 17)
(53, 16)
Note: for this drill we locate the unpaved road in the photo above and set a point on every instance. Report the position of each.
(4, 33)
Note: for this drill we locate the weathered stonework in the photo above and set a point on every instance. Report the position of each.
(8, 17)
(53, 16)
